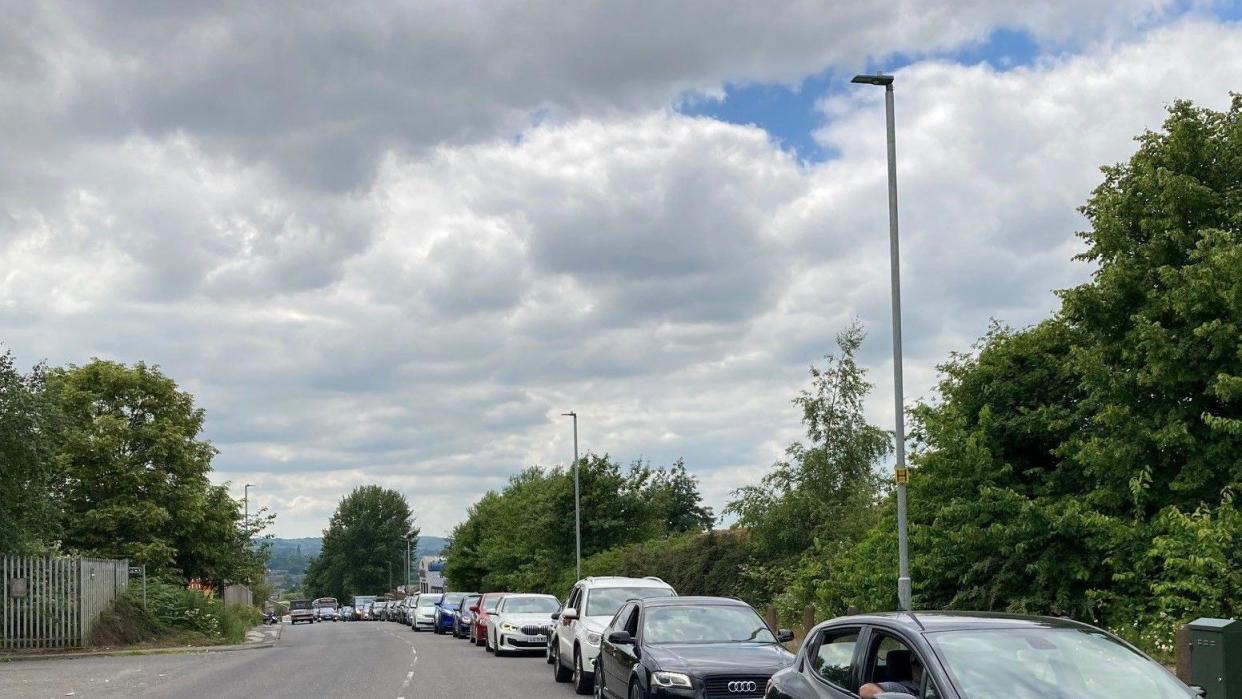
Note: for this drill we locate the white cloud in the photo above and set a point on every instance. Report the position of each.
(421, 320)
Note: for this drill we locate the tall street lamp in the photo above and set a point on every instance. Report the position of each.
(407, 563)
(577, 504)
(246, 499)
(902, 474)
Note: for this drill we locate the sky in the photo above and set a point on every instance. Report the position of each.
(392, 242)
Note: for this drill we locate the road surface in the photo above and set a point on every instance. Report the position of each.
(355, 659)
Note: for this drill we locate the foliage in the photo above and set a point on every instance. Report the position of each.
(522, 538)
(29, 433)
(826, 494)
(173, 606)
(135, 476)
(695, 563)
(1087, 466)
(364, 545)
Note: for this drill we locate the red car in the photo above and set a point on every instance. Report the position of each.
(482, 616)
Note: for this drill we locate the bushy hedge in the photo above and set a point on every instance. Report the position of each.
(174, 606)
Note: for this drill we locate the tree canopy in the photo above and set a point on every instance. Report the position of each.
(364, 545)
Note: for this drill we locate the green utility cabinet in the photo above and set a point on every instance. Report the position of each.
(1216, 657)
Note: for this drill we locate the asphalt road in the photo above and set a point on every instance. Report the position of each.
(355, 659)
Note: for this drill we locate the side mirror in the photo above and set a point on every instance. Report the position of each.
(569, 614)
(784, 636)
(620, 638)
(556, 615)
(1199, 691)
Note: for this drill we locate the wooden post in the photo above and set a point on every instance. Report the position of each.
(771, 616)
(808, 618)
(852, 611)
(1181, 649)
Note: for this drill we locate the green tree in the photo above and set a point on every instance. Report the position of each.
(135, 474)
(827, 489)
(364, 545)
(29, 486)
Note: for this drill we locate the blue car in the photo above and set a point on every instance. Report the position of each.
(449, 603)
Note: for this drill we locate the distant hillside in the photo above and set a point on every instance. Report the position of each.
(292, 554)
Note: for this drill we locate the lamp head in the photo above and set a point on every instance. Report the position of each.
(878, 79)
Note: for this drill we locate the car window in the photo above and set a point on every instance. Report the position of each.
(489, 605)
(605, 601)
(1043, 662)
(618, 619)
(712, 623)
(892, 660)
(834, 656)
(631, 622)
(575, 596)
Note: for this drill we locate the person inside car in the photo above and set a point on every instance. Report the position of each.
(900, 664)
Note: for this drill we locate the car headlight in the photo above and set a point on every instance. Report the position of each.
(671, 679)
(508, 627)
(593, 639)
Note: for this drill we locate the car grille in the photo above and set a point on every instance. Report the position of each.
(735, 686)
(537, 629)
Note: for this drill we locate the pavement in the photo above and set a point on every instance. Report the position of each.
(345, 659)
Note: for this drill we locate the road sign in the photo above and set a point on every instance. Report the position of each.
(903, 475)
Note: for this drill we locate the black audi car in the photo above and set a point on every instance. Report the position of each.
(963, 655)
(703, 647)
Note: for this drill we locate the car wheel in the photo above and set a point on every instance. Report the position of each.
(560, 673)
(582, 684)
(599, 683)
(552, 643)
(636, 692)
(487, 642)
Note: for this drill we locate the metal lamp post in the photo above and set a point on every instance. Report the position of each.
(407, 564)
(577, 504)
(246, 500)
(902, 474)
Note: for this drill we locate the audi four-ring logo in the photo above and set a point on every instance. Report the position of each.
(739, 687)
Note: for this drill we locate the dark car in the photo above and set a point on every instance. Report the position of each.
(962, 655)
(446, 608)
(688, 647)
(462, 618)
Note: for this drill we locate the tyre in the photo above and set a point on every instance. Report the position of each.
(582, 683)
(552, 642)
(487, 643)
(497, 650)
(559, 672)
(636, 692)
(599, 683)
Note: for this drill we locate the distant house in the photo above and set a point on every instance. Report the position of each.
(430, 575)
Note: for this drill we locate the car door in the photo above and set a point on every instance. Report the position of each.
(565, 636)
(884, 643)
(627, 655)
(832, 661)
(610, 659)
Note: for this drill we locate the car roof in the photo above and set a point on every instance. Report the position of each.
(692, 602)
(598, 581)
(930, 621)
(529, 594)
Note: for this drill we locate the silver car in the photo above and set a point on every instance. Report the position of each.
(521, 623)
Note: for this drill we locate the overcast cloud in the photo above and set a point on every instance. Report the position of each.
(392, 244)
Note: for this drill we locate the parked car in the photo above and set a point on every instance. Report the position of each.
(346, 613)
(688, 646)
(301, 610)
(446, 608)
(360, 602)
(591, 604)
(521, 622)
(482, 612)
(326, 614)
(381, 610)
(963, 655)
(364, 611)
(424, 613)
(463, 617)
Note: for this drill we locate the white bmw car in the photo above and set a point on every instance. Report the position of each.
(521, 623)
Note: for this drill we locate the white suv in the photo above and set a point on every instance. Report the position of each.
(591, 604)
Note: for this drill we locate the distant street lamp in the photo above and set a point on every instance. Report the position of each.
(577, 504)
(407, 563)
(902, 474)
(246, 499)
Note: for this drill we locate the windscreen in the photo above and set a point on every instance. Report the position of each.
(428, 601)
(453, 600)
(470, 601)
(706, 624)
(1051, 664)
(490, 604)
(530, 605)
(605, 601)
